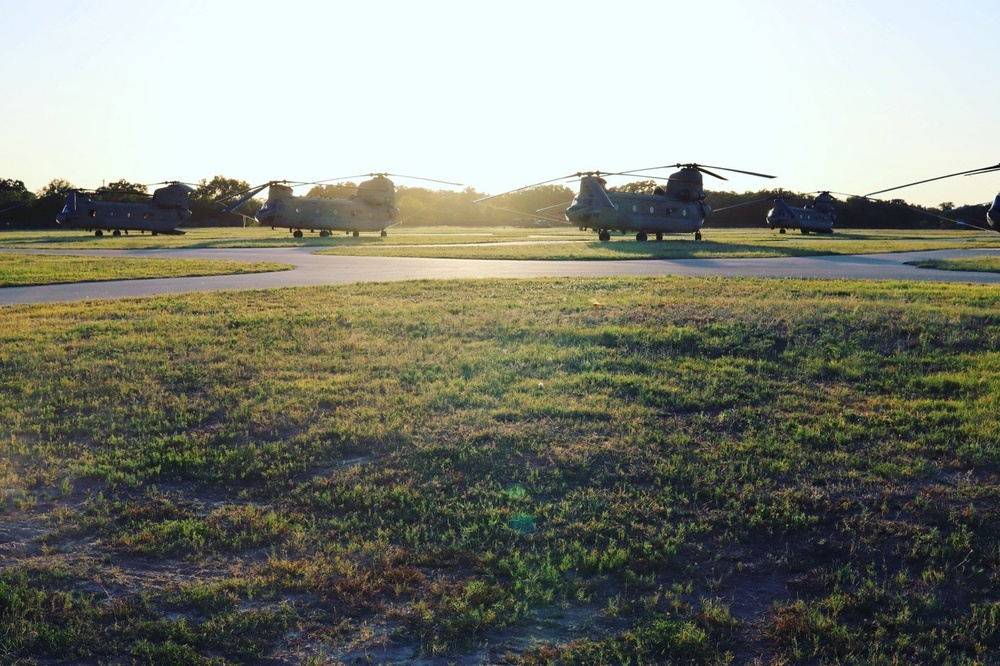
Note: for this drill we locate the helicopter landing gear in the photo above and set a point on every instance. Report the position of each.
(324, 233)
(355, 234)
(98, 233)
(641, 237)
(603, 235)
(297, 233)
(782, 230)
(116, 232)
(697, 235)
(659, 236)
(383, 234)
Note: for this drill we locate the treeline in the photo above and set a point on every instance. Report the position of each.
(536, 206)
(23, 209)
(749, 209)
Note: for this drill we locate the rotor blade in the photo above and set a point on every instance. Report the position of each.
(532, 215)
(526, 187)
(745, 203)
(387, 175)
(700, 167)
(969, 172)
(247, 196)
(995, 167)
(675, 166)
(748, 173)
(431, 180)
(17, 205)
(558, 205)
(333, 180)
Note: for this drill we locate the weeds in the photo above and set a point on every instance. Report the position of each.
(698, 471)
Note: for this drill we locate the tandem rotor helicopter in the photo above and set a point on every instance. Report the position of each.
(371, 208)
(817, 218)
(992, 214)
(677, 208)
(167, 209)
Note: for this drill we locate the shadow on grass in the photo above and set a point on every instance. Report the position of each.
(691, 249)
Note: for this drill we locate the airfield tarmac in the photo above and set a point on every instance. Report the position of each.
(312, 269)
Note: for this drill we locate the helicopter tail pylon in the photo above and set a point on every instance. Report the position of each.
(592, 193)
(66, 214)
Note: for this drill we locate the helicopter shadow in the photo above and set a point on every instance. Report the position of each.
(687, 249)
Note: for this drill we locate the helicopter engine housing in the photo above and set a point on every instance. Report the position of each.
(686, 185)
(378, 191)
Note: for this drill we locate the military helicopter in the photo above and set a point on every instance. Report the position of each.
(992, 214)
(371, 208)
(678, 208)
(817, 218)
(162, 214)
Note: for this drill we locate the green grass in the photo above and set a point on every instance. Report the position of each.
(979, 264)
(594, 471)
(571, 244)
(515, 243)
(35, 269)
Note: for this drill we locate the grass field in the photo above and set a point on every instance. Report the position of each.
(589, 471)
(35, 269)
(514, 243)
(980, 264)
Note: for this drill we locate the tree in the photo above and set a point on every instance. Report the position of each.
(209, 191)
(206, 212)
(638, 187)
(13, 192)
(122, 190)
(56, 187)
(335, 191)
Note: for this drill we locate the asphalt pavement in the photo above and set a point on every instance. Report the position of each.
(313, 269)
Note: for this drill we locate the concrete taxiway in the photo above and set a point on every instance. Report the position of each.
(312, 269)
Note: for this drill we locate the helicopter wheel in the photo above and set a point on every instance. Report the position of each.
(297, 233)
(697, 235)
(781, 231)
(603, 235)
(324, 233)
(659, 236)
(383, 234)
(355, 234)
(98, 233)
(116, 232)
(641, 236)
(805, 232)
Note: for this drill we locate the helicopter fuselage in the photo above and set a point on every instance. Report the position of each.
(319, 214)
(649, 213)
(817, 219)
(83, 212)
(678, 209)
(372, 208)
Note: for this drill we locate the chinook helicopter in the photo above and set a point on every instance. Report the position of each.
(677, 208)
(817, 218)
(371, 208)
(992, 214)
(162, 214)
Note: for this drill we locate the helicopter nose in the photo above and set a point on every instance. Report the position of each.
(776, 215)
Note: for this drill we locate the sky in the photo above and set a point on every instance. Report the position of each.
(851, 96)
